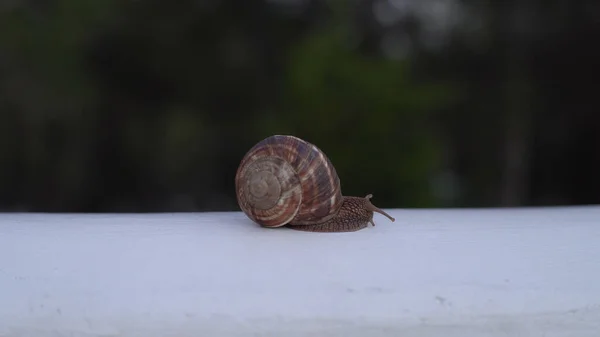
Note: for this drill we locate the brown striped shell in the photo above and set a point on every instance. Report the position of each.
(286, 180)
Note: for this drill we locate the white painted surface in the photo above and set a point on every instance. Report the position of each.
(449, 273)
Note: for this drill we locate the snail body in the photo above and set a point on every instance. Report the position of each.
(286, 181)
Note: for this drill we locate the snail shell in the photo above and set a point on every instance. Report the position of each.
(284, 180)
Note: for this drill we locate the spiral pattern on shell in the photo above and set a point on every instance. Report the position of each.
(286, 180)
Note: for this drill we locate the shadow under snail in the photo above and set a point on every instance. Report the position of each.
(286, 181)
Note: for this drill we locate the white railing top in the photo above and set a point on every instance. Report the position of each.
(504, 272)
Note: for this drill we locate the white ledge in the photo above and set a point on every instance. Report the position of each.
(451, 273)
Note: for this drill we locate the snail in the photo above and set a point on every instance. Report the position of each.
(286, 181)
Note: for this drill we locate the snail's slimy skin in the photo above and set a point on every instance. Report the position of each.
(355, 214)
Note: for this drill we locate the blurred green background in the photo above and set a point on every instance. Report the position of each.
(148, 105)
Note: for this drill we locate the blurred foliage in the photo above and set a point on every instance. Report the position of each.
(363, 111)
(149, 105)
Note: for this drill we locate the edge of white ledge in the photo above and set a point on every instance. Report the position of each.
(433, 272)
